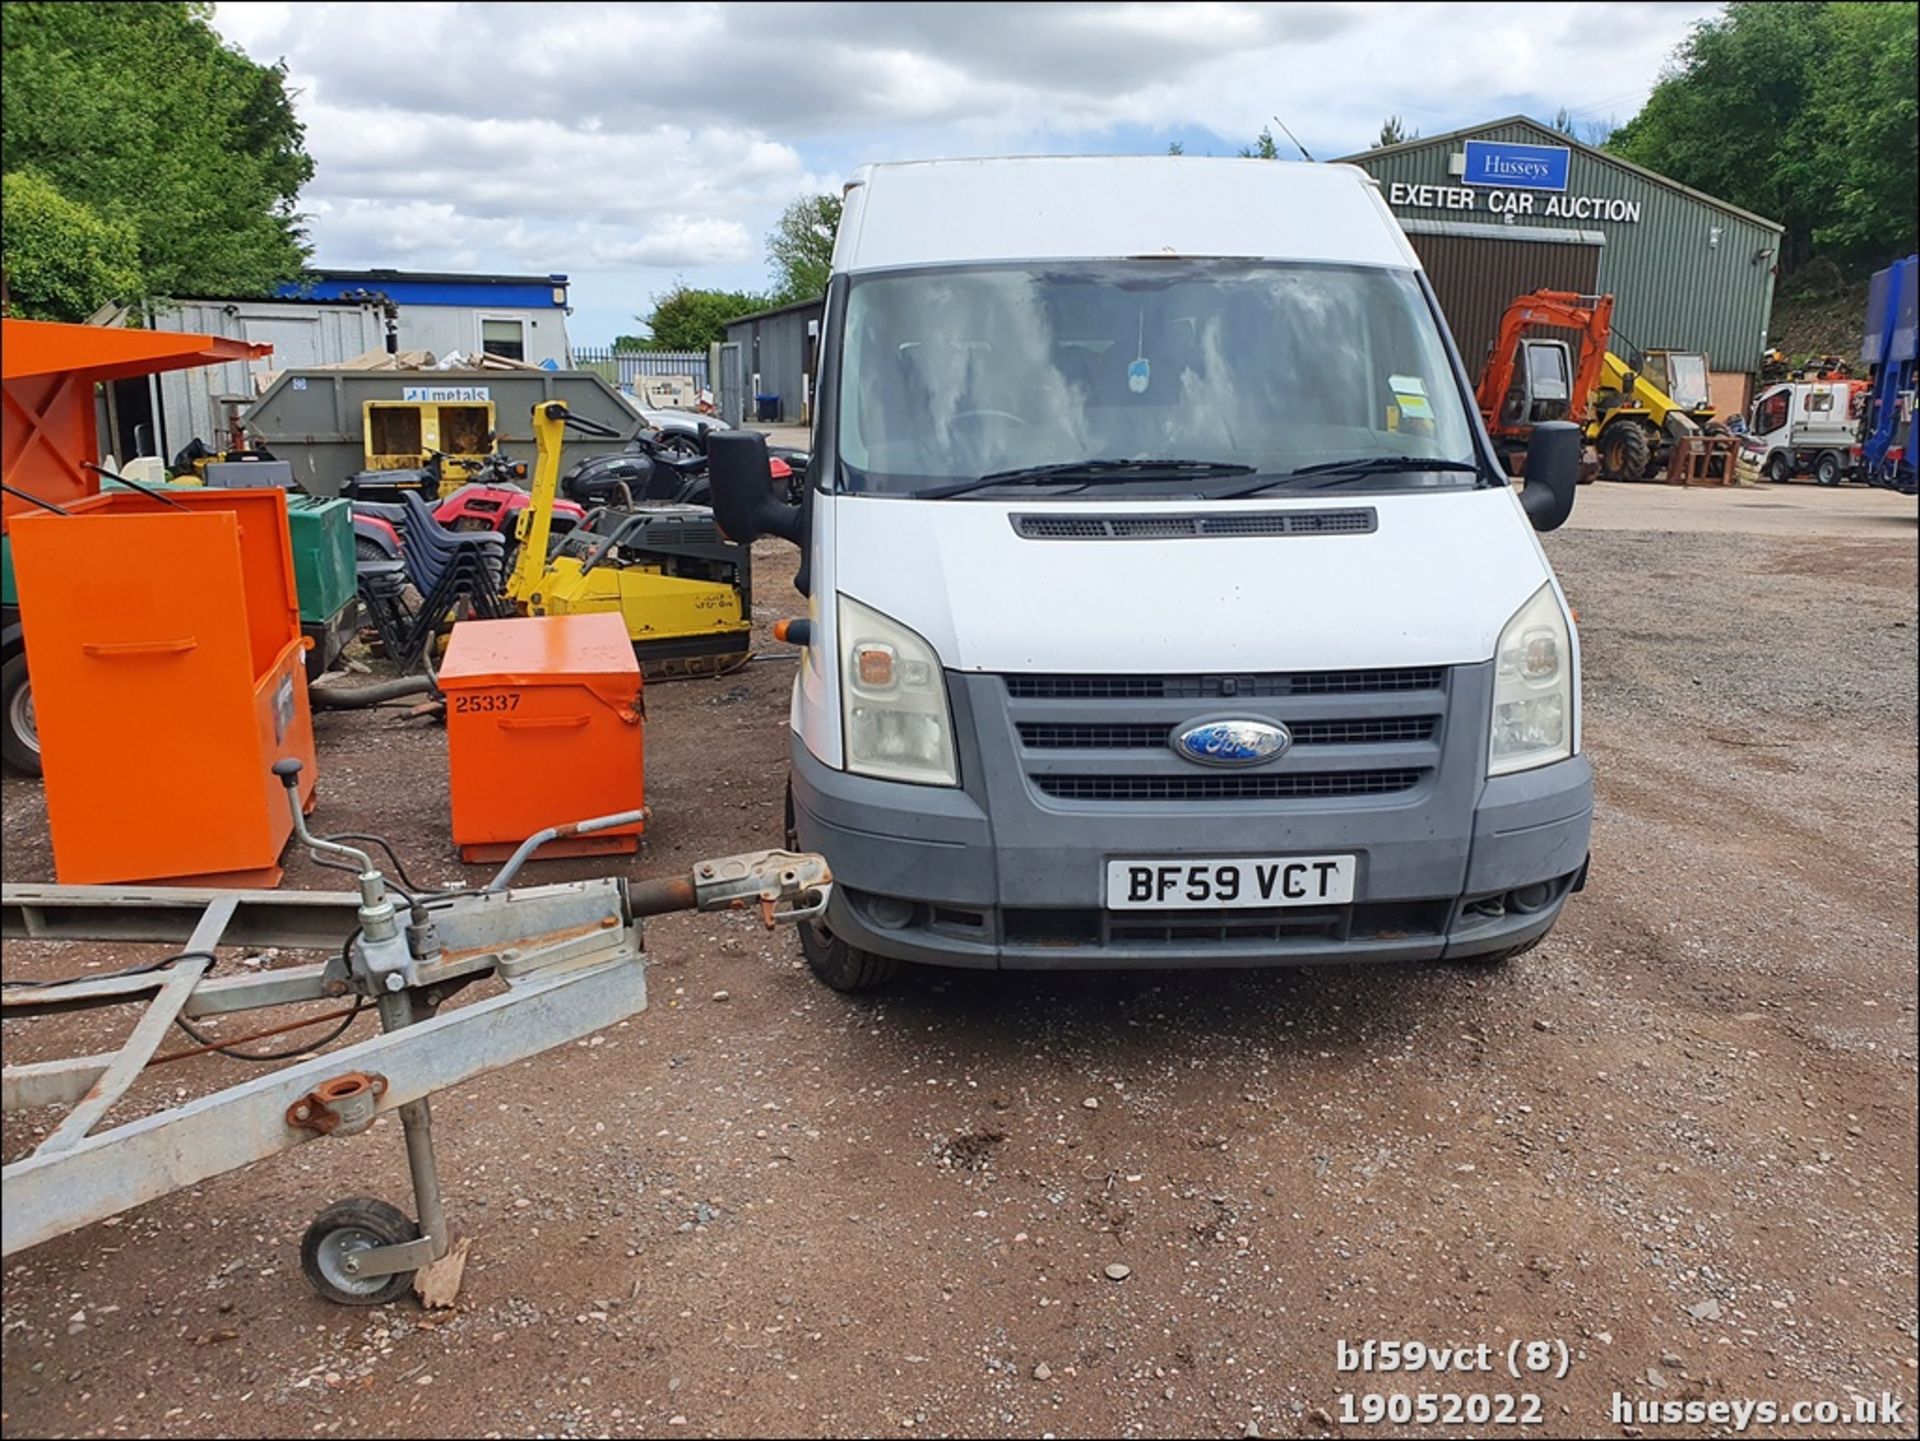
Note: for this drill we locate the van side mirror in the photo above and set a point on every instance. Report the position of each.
(741, 483)
(1552, 472)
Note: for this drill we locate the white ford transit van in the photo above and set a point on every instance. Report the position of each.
(1167, 603)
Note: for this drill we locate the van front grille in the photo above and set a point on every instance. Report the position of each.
(1094, 739)
(1284, 785)
(1044, 736)
(1223, 687)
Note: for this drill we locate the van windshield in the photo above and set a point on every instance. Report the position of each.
(1250, 369)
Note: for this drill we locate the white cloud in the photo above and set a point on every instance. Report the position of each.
(627, 144)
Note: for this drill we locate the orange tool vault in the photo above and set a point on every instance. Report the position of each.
(543, 729)
(164, 641)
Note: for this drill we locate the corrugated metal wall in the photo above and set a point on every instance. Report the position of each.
(300, 334)
(1675, 283)
(776, 346)
(1475, 276)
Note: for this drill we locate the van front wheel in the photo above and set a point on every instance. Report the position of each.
(837, 963)
(844, 967)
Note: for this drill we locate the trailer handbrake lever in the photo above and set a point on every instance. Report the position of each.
(383, 949)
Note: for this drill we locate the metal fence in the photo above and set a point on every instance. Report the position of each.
(624, 367)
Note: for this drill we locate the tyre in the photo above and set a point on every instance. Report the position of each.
(1779, 467)
(1494, 958)
(1625, 451)
(19, 735)
(364, 549)
(838, 964)
(1826, 470)
(362, 1224)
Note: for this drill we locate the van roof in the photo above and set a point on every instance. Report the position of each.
(948, 212)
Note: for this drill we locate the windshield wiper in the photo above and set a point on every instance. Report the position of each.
(1090, 472)
(1359, 467)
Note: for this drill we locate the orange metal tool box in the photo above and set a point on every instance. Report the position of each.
(543, 728)
(168, 677)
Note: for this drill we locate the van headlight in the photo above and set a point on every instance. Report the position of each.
(893, 701)
(1532, 688)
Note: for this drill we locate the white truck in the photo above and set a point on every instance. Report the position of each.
(1167, 604)
(1802, 427)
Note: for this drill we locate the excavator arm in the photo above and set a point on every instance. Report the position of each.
(1590, 315)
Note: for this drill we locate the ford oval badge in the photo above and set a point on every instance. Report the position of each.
(1232, 742)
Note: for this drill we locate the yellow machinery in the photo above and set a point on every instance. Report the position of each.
(1638, 415)
(408, 434)
(681, 588)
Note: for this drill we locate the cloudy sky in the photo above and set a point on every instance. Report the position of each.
(629, 145)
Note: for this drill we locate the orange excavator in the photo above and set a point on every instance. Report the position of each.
(1528, 380)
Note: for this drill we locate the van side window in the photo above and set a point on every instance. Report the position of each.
(1820, 400)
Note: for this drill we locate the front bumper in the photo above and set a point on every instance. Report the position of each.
(931, 875)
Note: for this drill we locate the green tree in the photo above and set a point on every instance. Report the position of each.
(63, 261)
(1563, 120)
(142, 114)
(1865, 114)
(1174, 147)
(1262, 148)
(689, 319)
(1393, 132)
(800, 249)
(1804, 113)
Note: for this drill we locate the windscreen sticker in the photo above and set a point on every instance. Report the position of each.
(1411, 393)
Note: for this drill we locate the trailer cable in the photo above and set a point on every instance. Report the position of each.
(227, 1048)
(201, 1050)
(224, 1048)
(409, 890)
(136, 970)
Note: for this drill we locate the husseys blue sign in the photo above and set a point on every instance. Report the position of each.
(1516, 167)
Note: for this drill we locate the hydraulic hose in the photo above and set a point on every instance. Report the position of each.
(359, 697)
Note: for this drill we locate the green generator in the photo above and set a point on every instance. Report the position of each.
(323, 573)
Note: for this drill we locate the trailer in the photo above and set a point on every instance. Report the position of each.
(568, 957)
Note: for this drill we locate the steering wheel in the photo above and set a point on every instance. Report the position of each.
(996, 414)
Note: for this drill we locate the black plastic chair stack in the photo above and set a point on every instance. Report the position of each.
(455, 573)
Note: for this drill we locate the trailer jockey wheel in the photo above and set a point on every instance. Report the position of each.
(361, 1224)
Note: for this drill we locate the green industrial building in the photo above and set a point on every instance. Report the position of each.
(1515, 205)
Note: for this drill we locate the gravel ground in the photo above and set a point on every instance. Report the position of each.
(1680, 1137)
